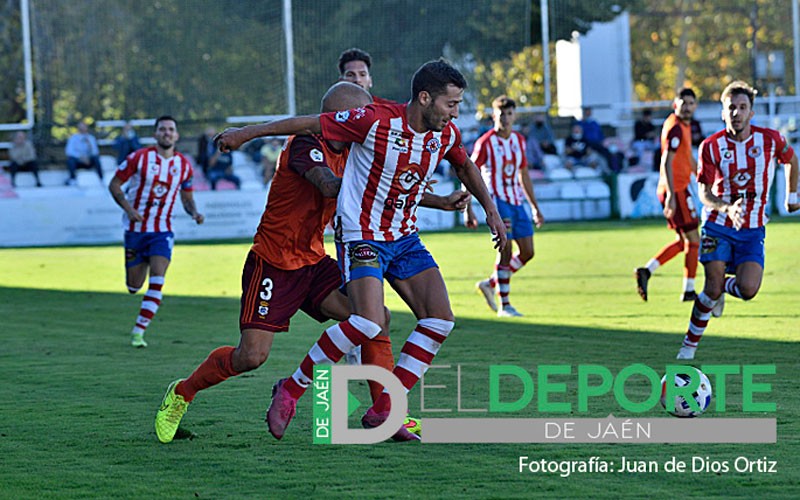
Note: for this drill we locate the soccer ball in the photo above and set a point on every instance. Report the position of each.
(679, 407)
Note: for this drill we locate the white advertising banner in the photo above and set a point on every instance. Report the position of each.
(636, 193)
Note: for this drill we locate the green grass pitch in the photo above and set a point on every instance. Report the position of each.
(78, 402)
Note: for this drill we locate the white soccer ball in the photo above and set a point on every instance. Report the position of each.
(679, 407)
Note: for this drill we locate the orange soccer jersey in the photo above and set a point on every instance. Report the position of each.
(290, 234)
(676, 136)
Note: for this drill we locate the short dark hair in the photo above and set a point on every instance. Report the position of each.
(434, 77)
(686, 92)
(354, 54)
(163, 118)
(739, 88)
(504, 102)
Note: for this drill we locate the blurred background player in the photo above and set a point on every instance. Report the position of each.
(354, 67)
(680, 208)
(155, 175)
(500, 154)
(735, 173)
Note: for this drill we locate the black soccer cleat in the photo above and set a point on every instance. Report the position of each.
(642, 275)
(689, 296)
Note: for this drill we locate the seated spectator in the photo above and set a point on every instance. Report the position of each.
(541, 131)
(578, 151)
(270, 151)
(23, 158)
(126, 142)
(594, 137)
(645, 138)
(205, 149)
(82, 152)
(220, 166)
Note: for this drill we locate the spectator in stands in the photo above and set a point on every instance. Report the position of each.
(543, 134)
(533, 151)
(220, 166)
(126, 142)
(205, 149)
(270, 152)
(594, 137)
(23, 158)
(646, 139)
(578, 152)
(82, 152)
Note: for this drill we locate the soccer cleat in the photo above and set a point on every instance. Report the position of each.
(413, 425)
(353, 357)
(487, 290)
(686, 352)
(281, 409)
(642, 275)
(508, 312)
(716, 311)
(689, 296)
(373, 419)
(137, 340)
(169, 415)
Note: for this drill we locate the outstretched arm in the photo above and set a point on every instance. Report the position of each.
(471, 178)
(792, 203)
(232, 138)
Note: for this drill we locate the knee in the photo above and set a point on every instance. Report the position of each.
(387, 319)
(248, 359)
(526, 256)
(748, 291)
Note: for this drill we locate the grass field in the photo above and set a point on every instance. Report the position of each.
(78, 402)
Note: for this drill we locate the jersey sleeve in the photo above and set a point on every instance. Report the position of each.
(522, 143)
(305, 152)
(479, 152)
(456, 155)
(674, 137)
(783, 151)
(707, 167)
(127, 168)
(351, 125)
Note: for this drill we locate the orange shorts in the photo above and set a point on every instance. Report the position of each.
(685, 217)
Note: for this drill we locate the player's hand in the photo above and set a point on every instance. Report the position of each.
(669, 206)
(135, 216)
(470, 221)
(734, 211)
(199, 218)
(498, 229)
(793, 207)
(429, 185)
(229, 139)
(538, 219)
(457, 200)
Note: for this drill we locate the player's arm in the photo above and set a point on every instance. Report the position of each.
(325, 180)
(667, 158)
(791, 168)
(115, 188)
(527, 187)
(187, 199)
(714, 202)
(232, 138)
(469, 176)
(457, 200)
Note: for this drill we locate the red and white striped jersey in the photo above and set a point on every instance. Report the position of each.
(500, 161)
(742, 170)
(387, 170)
(154, 182)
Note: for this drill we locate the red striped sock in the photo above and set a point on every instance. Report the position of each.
(150, 304)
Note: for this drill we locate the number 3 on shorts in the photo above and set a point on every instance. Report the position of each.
(267, 293)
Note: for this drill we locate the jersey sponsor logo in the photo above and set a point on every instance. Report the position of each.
(363, 254)
(742, 179)
(341, 116)
(708, 245)
(359, 113)
(754, 152)
(160, 189)
(400, 145)
(433, 145)
(675, 142)
(726, 155)
(409, 177)
(316, 155)
(508, 169)
(153, 168)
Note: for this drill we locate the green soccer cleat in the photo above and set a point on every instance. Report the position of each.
(137, 340)
(169, 415)
(413, 425)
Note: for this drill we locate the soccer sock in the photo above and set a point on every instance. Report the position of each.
(150, 303)
(515, 265)
(417, 355)
(331, 346)
(690, 265)
(216, 368)
(378, 352)
(701, 312)
(665, 255)
(731, 288)
(504, 283)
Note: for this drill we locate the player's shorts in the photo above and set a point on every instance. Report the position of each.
(396, 260)
(731, 246)
(516, 218)
(271, 296)
(685, 217)
(141, 246)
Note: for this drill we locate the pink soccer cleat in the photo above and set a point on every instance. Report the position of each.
(373, 419)
(281, 410)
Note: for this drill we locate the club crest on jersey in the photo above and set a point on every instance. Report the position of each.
(160, 189)
(341, 116)
(754, 152)
(742, 179)
(363, 254)
(433, 145)
(316, 155)
(174, 170)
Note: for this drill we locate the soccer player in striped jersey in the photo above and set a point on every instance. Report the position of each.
(155, 175)
(395, 149)
(500, 154)
(680, 209)
(737, 166)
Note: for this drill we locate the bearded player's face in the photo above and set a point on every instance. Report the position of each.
(166, 134)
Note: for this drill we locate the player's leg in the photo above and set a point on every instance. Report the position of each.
(664, 255)
(691, 248)
(747, 282)
(136, 264)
